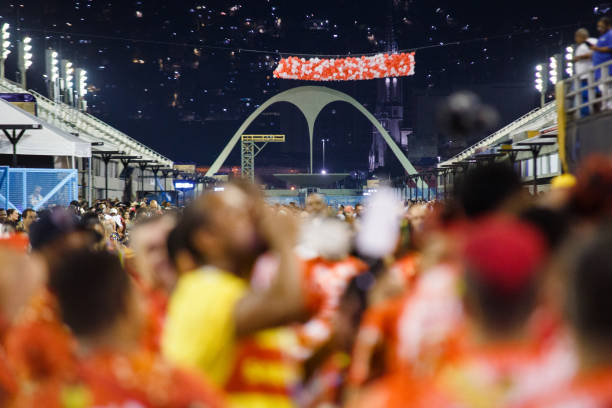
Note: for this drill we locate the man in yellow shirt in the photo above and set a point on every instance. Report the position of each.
(214, 306)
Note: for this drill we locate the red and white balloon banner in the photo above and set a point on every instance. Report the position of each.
(346, 69)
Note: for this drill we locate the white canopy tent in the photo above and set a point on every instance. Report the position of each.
(47, 141)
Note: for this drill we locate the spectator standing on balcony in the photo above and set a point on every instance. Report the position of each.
(36, 197)
(583, 62)
(602, 53)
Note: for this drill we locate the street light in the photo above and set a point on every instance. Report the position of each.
(52, 73)
(66, 80)
(324, 141)
(81, 88)
(4, 46)
(25, 58)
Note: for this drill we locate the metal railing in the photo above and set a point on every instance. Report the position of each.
(72, 120)
(37, 188)
(549, 109)
(585, 95)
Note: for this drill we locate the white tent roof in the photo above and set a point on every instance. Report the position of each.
(48, 141)
(84, 137)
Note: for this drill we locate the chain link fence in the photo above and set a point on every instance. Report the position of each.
(37, 188)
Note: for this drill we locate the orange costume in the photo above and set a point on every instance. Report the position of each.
(17, 243)
(265, 369)
(39, 345)
(499, 375)
(156, 301)
(8, 382)
(502, 374)
(325, 282)
(586, 391)
(416, 329)
(406, 268)
(108, 379)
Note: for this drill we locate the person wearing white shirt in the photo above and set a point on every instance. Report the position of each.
(583, 62)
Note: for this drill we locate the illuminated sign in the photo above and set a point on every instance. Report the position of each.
(184, 185)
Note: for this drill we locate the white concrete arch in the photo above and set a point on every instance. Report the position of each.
(311, 100)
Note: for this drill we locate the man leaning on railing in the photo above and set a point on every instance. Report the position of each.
(583, 60)
(602, 53)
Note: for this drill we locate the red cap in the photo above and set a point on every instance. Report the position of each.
(504, 252)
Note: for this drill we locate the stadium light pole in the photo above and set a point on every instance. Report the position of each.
(81, 88)
(569, 65)
(553, 65)
(4, 46)
(541, 82)
(67, 80)
(52, 73)
(25, 58)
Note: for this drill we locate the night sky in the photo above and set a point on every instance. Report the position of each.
(177, 75)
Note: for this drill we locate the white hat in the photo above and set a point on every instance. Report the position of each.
(113, 211)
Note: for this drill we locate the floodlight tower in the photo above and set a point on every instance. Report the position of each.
(81, 88)
(554, 66)
(4, 46)
(541, 82)
(569, 65)
(67, 80)
(52, 73)
(25, 58)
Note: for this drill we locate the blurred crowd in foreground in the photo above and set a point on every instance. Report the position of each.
(494, 298)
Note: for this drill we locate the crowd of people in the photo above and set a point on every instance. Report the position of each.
(491, 298)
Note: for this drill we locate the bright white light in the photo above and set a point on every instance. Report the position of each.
(538, 67)
(569, 50)
(54, 54)
(4, 42)
(323, 171)
(183, 184)
(553, 74)
(27, 40)
(5, 33)
(219, 189)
